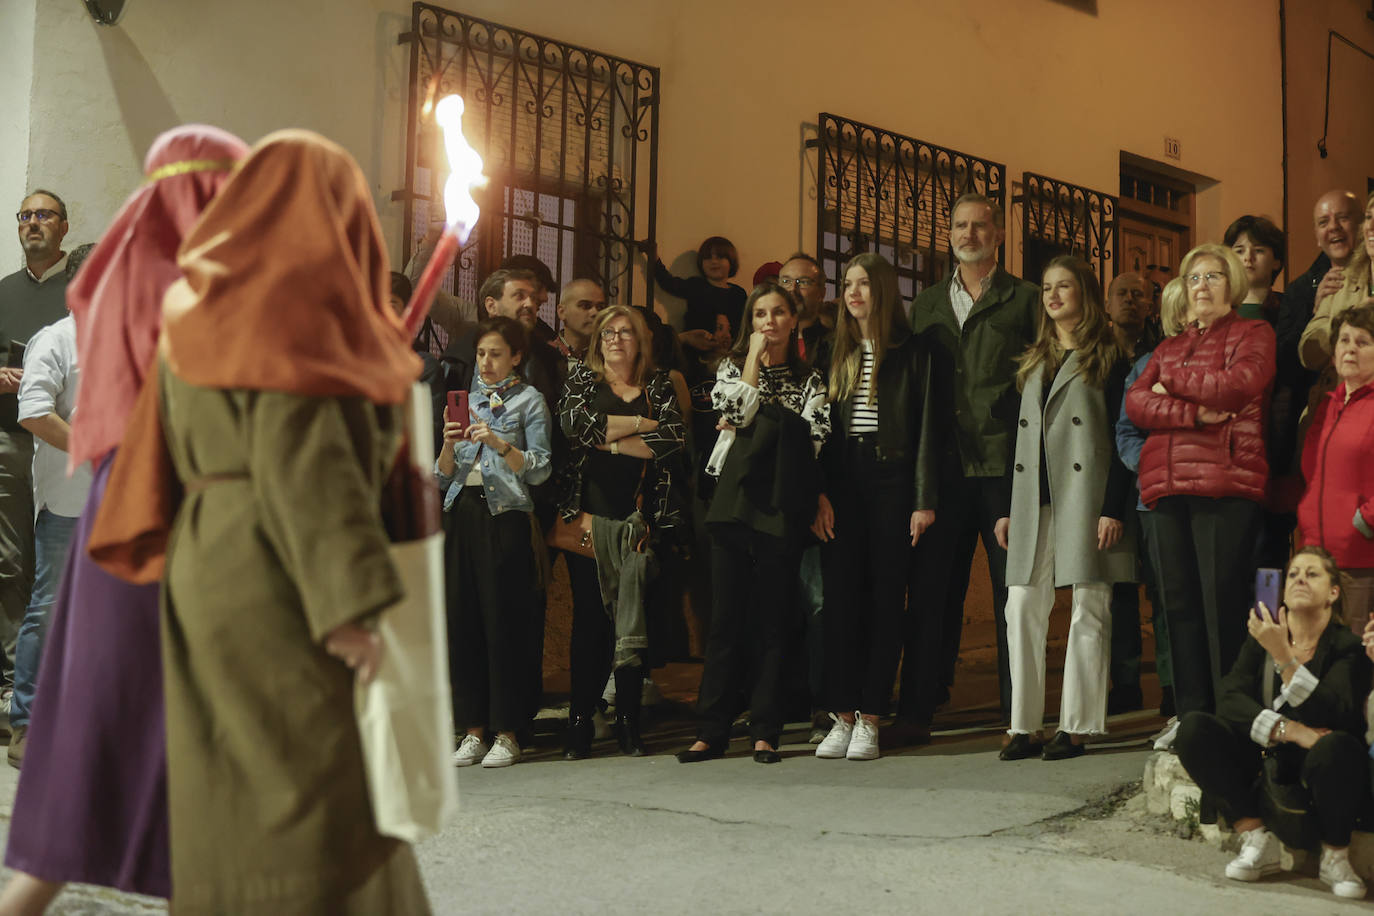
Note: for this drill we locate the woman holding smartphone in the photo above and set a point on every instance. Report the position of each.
(1070, 493)
(775, 407)
(1308, 717)
(879, 497)
(489, 461)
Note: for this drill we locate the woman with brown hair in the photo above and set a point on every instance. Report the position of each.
(1296, 695)
(1070, 494)
(623, 422)
(281, 371)
(879, 465)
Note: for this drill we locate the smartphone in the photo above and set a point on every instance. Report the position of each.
(1268, 591)
(458, 408)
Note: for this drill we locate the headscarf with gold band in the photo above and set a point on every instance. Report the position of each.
(287, 282)
(116, 297)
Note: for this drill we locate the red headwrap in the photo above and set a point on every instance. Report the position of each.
(116, 298)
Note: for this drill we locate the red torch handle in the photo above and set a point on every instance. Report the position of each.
(423, 297)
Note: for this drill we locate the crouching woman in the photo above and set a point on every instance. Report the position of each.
(1292, 708)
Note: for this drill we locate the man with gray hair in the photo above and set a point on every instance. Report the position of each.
(976, 322)
(30, 298)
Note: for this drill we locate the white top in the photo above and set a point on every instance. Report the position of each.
(863, 415)
(49, 386)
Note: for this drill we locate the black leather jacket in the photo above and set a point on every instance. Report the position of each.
(907, 423)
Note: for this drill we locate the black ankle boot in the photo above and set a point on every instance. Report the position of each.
(577, 744)
(627, 734)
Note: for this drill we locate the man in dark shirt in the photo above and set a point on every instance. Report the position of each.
(31, 298)
(802, 274)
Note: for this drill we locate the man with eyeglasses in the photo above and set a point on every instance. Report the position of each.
(31, 298)
(802, 274)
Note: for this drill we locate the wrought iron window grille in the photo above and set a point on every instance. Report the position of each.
(569, 138)
(1062, 218)
(881, 191)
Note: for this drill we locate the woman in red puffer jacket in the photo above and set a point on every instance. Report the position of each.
(1337, 511)
(1203, 398)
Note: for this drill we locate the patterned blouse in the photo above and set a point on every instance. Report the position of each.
(738, 402)
(585, 428)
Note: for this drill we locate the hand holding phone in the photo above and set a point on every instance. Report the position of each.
(458, 409)
(1268, 591)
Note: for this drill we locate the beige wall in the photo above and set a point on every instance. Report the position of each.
(1034, 84)
(16, 87)
(1350, 163)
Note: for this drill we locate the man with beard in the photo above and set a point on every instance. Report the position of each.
(30, 298)
(976, 324)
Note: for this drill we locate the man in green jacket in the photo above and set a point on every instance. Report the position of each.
(977, 322)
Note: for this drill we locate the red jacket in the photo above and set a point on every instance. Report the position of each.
(1230, 367)
(1338, 462)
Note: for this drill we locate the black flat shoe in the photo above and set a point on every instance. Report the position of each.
(767, 757)
(1020, 747)
(577, 743)
(1061, 747)
(710, 752)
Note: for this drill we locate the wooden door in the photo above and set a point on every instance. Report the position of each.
(1149, 249)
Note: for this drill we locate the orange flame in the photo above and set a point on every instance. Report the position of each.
(461, 211)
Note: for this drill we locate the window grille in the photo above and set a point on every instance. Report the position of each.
(1061, 218)
(881, 191)
(569, 138)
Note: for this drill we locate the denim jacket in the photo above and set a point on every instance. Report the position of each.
(525, 425)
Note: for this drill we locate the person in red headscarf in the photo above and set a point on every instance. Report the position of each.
(277, 394)
(92, 799)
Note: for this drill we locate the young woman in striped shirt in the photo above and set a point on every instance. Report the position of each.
(880, 466)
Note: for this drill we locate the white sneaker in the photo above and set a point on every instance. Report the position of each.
(1164, 740)
(863, 744)
(601, 726)
(1259, 856)
(503, 753)
(1337, 873)
(836, 743)
(469, 752)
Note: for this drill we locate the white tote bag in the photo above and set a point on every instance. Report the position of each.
(405, 715)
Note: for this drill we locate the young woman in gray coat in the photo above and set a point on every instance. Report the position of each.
(1069, 495)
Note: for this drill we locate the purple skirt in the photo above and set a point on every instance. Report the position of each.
(92, 800)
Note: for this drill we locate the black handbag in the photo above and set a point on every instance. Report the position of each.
(1285, 803)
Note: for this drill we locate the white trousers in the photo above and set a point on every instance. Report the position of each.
(1086, 663)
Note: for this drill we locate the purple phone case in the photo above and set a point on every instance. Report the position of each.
(1267, 590)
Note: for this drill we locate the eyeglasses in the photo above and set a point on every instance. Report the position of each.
(42, 216)
(1212, 278)
(798, 282)
(610, 334)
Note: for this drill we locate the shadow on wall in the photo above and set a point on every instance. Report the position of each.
(144, 107)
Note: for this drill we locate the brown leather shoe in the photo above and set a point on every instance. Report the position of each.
(19, 737)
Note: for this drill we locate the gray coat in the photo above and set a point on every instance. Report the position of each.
(1080, 455)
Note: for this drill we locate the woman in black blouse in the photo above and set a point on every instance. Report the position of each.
(880, 467)
(1314, 725)
(774, 407)
(623, 421)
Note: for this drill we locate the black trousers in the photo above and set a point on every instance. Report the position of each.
(754, 576)
(1226, 765)
(1205, 550)
(865, 573)
(593, 647)
(968, 510)
(491, 614)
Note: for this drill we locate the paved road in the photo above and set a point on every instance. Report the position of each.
(946, 828)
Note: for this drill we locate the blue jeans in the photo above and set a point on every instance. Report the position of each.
(51, 535)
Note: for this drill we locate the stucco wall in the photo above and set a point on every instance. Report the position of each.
(1350, 145)
(1034, 84)
(16, 85)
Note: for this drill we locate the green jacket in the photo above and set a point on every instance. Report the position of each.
(975, 368)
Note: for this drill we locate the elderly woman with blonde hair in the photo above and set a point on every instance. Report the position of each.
(1203, 469)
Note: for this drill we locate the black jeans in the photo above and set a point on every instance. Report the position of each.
(491, 614)
(865, 572)
(1205, 551)
(1226, 765)
(593, 646)
(968, 509)
(754, 576)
